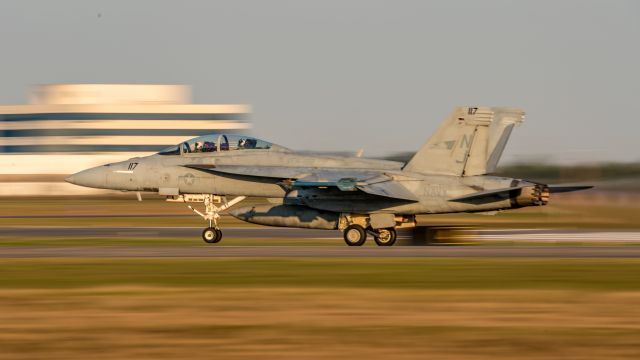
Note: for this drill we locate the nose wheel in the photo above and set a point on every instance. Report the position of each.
(211, 235)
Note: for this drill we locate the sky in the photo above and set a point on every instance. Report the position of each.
(350, 74)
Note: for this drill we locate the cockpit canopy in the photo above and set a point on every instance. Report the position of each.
(217, 142)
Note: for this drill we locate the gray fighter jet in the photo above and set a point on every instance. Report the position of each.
(357, 196)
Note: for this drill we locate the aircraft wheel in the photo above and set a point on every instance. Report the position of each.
(385, 237)
(211, 235)
(354, 235)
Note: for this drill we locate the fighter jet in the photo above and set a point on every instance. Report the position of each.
(358, 196)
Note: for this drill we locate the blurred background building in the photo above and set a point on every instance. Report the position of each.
(69, 127)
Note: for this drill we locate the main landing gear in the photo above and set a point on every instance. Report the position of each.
(356, 227)
(356, 235)
(385, 237)
(212, 234)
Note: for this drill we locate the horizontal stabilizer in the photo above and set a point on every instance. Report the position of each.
(495, 193)
(568, 188)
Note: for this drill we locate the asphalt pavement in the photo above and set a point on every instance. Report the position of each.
(466, 233)
(600, 243)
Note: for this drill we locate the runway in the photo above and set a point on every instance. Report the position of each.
(166, 232)
(601, 239)
(465, 234)
(321, 251)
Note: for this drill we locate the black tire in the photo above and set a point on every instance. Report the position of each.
(385, 237)
(211, 235)
(354, 235)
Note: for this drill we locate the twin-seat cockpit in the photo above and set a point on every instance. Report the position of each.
(217, 143)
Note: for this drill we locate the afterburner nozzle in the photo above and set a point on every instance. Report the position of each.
(537, 194)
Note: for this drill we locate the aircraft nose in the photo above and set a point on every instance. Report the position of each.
(94, 177)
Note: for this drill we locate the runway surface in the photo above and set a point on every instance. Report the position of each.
(199, 249)
(166, 232)
(321, 251)
(470, 234)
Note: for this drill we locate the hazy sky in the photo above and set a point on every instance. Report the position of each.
(344, 75)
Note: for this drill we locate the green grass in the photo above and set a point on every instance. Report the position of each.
(410, 273)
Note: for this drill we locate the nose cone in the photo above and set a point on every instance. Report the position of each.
(95, 178)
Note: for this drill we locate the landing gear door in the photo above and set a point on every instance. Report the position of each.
(380, 221)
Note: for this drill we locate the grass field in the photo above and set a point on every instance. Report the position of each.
(320, 308)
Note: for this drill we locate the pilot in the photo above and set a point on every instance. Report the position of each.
(197, 147)
(208, 146)
(241, 143)
(186, 148)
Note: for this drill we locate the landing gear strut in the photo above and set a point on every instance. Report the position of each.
(212, 234)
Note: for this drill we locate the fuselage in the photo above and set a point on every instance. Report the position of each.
(358, 196)
(190, 173)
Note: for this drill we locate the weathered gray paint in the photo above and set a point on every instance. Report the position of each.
(439, 179)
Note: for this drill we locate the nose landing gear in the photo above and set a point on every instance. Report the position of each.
(212, 234)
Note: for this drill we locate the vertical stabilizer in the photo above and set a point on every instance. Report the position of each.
(470, 142)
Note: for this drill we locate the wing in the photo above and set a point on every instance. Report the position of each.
(391, 189)
(372, 182)
(275, 172)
